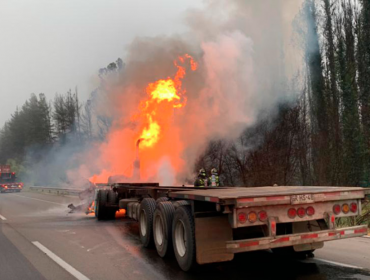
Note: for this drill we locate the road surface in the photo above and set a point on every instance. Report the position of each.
(40, 240)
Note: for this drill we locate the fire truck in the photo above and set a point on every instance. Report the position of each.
(8, 180)
(208, 225)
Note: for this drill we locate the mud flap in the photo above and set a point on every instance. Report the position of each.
(211, 234)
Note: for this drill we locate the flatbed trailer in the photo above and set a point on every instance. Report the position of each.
(208, 225)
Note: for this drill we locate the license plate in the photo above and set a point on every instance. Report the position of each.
(301, 198)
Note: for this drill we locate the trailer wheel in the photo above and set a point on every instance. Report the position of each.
(112, 197)
(183, 237)
(162, 227)
(147, 208)
(138, 212)
(159, 200)
(101, 209)
(111, 214)
(179, 203)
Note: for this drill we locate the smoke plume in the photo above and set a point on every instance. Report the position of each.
(245, 58)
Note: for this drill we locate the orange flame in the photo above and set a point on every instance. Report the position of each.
(155, 133)
(164, 96)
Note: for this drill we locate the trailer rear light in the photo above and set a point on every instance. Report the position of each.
(301, 212)
(345, 208)
(353, 207)
(262, 216)
(292, 213)
(242, 217)
(273, 227)
(336, 209)
(252, 217)
(310, 211)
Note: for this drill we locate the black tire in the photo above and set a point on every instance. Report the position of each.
(179, 203)
(135, 210)
(138, 213)
(183, 238)
(111, 213)
(159, 200)
(147, 208)
(162, 228)
(112, 197)
(101, 204)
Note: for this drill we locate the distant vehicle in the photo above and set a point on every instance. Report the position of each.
(8, 180)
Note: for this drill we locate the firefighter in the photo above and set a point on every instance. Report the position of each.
(201, 181)
(214, 180)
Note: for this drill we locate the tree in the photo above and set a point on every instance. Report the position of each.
(363, 58)
(318, 100)
(353, 156)
(66, 115)
(333, 96)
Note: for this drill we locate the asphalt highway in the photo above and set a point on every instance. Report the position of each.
(39, 239)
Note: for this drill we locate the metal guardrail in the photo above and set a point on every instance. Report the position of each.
(57, 191)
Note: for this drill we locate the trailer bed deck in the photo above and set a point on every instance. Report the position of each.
(251, 196)
(269, 195)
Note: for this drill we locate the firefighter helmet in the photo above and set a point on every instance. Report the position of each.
(214, 171)
(202, 172)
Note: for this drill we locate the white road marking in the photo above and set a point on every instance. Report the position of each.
(3, 218)
(78, 275)
(338, 264)
(39, 199)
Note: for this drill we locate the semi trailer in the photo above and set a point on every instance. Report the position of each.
(207, 225)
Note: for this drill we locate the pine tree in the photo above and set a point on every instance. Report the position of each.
(318, 102)
(363, 58)
(333, 96)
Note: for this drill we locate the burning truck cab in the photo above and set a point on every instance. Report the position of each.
(8, 180)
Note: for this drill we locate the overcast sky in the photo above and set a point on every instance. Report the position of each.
(50, 46)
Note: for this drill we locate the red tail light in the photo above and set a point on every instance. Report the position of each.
(301, 212)
(353, 207)
(292, 213)
(242, 217)
(262, 216)
(310, 211)
(336, 209)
